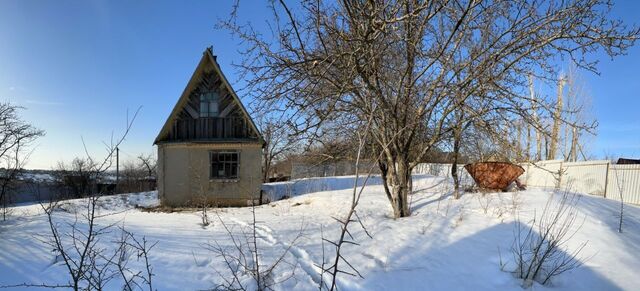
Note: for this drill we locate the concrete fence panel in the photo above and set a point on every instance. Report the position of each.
(600, 178)
(588, 177)
(623, 182)
(543, 174)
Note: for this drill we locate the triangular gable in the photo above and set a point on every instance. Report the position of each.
(207, 58)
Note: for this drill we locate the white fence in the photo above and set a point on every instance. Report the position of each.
(329, 169)
(444, 170)
(599, 178)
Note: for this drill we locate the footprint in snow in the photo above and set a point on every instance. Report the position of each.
(203, 262)
(264, 228)
(381, 263)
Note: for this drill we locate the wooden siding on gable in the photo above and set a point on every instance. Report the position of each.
(231, 124)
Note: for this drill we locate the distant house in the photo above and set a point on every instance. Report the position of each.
(623, 161)
(209, 148)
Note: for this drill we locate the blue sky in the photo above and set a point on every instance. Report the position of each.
(78, 66)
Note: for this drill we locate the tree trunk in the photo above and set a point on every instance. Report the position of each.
(573, 154)
(519, 155)
(527, 154)
(536, 121)
(397, 186)
(454, 166)
(384, 170)
(266, 169)
(410, 181)
(4, 197)
(557, 116)
(546, 146)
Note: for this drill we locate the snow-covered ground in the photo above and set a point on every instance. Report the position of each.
(446, 244)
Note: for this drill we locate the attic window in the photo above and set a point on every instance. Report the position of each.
(209, 104)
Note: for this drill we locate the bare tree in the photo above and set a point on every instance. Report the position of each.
(132, 177)
(12, 169)
(278, 141)
(16, 137)
(149, 163)
(579, 123)
(334, 62)
(75, 180)
(135, 175)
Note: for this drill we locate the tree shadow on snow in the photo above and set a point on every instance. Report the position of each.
(469, 263)
(609, 212)
(23, 252)
(417, 203)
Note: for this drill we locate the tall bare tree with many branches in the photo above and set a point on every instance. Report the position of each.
(415, 63)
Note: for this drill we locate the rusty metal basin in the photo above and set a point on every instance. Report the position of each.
(494, 175)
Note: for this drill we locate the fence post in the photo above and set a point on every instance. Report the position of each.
(606, 180)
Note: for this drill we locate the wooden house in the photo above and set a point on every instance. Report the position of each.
(209, 149)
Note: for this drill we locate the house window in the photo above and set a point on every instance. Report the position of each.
(224, 165)
(209, 104)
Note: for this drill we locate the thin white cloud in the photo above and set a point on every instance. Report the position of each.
(39, 102)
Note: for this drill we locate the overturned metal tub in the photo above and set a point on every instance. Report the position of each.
(494, 175)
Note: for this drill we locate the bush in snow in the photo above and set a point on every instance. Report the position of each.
(539, 249)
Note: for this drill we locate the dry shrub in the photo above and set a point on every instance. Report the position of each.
(539, 248)
(244, 267)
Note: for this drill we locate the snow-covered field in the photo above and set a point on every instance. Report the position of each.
(446, 244)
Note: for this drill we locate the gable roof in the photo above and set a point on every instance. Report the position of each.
(207, 58)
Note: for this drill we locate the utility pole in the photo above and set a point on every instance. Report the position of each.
(117, 168)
